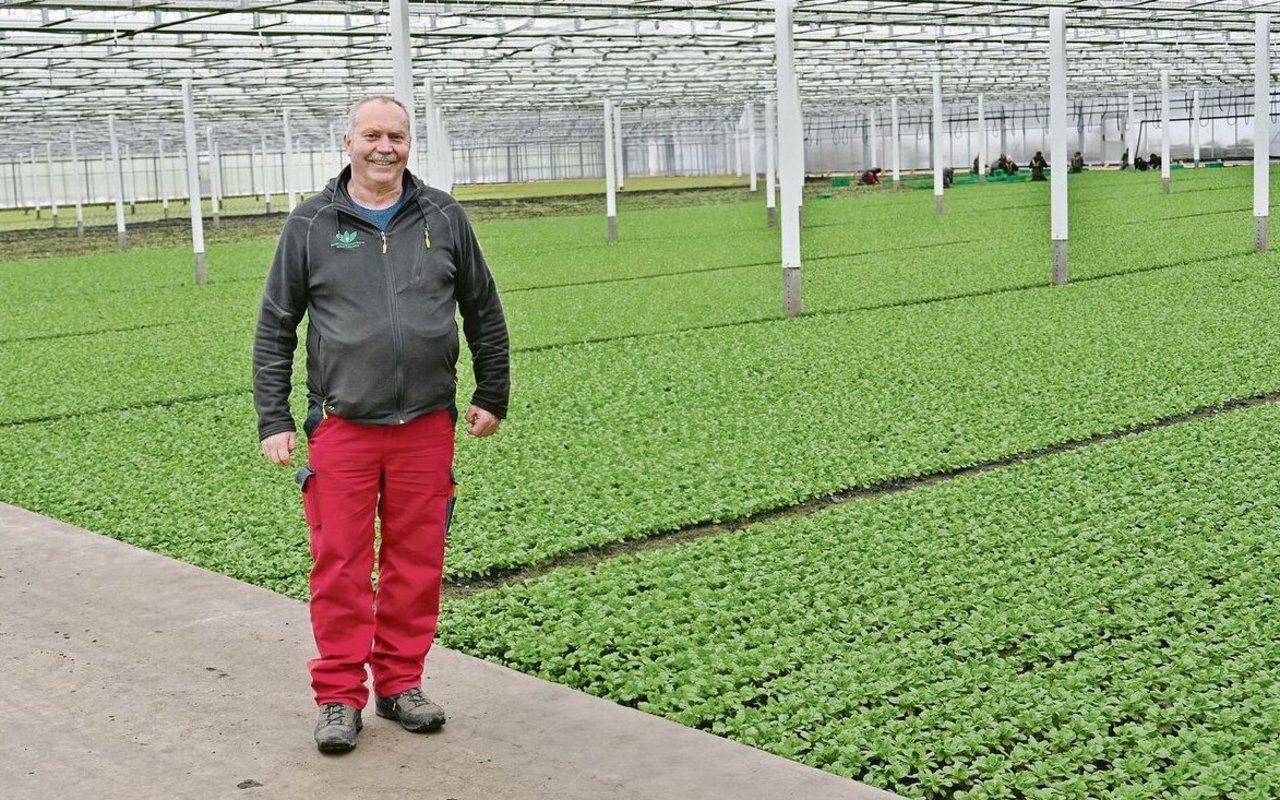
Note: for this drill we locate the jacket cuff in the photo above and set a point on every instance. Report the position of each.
(275, 427)
(499, 410)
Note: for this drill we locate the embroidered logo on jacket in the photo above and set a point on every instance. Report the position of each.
(346, 240)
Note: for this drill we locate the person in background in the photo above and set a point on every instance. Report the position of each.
(1154, 161)
(977, 168)
(379, 263)
(1140, 164)
(870, 177)
(1010, 166)
(948, 177)
(1124, 160)
(1077, 163)
(1038, 166)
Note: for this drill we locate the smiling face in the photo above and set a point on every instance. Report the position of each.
(378, 145)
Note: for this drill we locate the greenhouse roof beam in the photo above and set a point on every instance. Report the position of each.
(70, 62)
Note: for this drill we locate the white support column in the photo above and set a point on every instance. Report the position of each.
(895, 143)
(215, 182)
(253, 171)
(1164, 129)
(1129, 128)
(1195, 127)
(791, 160)
(937, 142)
(107, 170)
(402, 76)
(796, 121)
(1261, 132)
(610, 186)
(430, 143)
(131, 185)
(737, 148)
(619, 155)
(333, 145)
(266, 176)
(1058, 140)
(444, 153)
(19, 182)
(1080, 128)
(982, 139)
(872, 139)
(161, 184)
(76, 187)
(751, 143)
(35, 184)
(770, 165)
(288, 163)
(53, 194)
(193, 180)
(122, 236)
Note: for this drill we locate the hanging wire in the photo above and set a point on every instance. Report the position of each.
(1235, 109)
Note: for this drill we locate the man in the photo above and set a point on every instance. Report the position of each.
(1077, 163)
(1038, 166)
(378, 262)
(870, 177)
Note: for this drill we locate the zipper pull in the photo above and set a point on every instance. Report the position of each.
(426, 236)
(384, 242)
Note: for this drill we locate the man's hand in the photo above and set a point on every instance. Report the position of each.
(278, 448)
(481, 422)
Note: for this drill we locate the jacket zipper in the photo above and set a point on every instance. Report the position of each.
(397, 338)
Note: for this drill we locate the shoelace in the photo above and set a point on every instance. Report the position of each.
(412, 698)
(334, 714)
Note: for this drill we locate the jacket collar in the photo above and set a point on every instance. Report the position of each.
(336, 191)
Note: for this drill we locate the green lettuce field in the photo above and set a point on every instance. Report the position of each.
(1056, 574)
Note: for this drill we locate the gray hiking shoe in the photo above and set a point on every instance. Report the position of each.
(412, 709)
(336, 731)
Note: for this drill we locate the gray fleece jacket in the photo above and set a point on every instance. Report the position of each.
(382, 341)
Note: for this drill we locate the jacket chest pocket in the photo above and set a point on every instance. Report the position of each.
(432, 270)
(420, 266)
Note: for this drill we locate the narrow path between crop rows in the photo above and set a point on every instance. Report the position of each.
(40, 337)
(458, 589)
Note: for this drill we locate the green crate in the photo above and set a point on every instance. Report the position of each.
(840, 180)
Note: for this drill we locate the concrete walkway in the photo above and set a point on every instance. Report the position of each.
(129, 675)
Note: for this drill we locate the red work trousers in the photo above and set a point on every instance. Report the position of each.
(401, 473)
